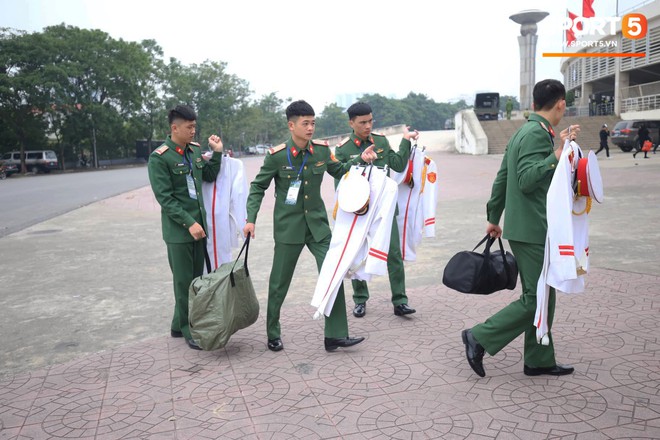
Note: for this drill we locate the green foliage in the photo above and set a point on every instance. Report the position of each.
(332, 121)
(79, 90)
(570, 98)
(505, 98)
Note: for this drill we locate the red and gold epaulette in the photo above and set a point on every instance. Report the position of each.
(195, 144)
(343, 142)
(274, 150)
(161, 149)
(427, 160)
(320, 142)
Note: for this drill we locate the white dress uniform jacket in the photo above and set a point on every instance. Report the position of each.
(567, 240)
(225, 202)
(417, 200)
(360, 243)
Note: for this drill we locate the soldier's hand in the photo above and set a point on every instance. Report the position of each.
(197, 231)
(407, 134)
(574, 130)
(248, 229)
(369, 155)
(493, 230)
(216, 143)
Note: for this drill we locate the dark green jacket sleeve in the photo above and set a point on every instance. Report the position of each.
(534, 162)
(397, 160)
(161, 184)
(259, 186)
(495, 205)
(212, 168)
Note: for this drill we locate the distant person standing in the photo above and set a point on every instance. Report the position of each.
(604, 134)
(509, 108)
(176, 171)
(642, 136)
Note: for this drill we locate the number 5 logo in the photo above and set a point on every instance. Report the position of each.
(634, 26)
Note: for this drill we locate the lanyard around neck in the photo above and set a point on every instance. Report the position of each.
(288, 156)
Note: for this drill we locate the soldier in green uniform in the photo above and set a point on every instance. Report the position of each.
(300, 217)
(176, 171)
(520, 190)
(361, 121)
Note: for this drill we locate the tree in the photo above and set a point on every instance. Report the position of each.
(23, 94)
(505, 98)
(216, 95)
(332, 121)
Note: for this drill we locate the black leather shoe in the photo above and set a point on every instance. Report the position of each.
(176, 334)
(331, 344)
(192, 344)
(403, 309)
(275, 344)
(360, 310)
(474, 352)
(557, 370)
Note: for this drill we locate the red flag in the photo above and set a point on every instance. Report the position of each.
(588, 8)
(570, 35)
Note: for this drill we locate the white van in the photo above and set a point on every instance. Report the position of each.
(35, 160)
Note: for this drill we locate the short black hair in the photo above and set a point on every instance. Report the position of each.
(358, 109)
(546, 94)
(299, 108)
(184, 112)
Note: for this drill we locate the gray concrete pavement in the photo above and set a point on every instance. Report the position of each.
(86, 303)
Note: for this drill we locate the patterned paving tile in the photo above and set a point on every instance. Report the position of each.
(408, 380)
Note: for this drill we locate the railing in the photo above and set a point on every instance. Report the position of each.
(642, 103)
(641, 90)
(602, 109)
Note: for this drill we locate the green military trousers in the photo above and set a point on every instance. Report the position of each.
(284, 263)
(518, 317)
(395, 271)
(186, 262)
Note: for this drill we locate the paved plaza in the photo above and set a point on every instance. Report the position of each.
(86, 352)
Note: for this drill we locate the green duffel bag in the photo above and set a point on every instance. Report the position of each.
(221, 303)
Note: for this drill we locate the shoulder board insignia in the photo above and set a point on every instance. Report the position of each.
(427, 160)
(274, 150)
(320, 142)
(343, 141)
(377, 134)
(161, 149)
(195, 144)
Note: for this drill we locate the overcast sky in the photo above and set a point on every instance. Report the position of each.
(317, 50)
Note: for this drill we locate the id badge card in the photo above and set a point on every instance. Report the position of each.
(292, 193)
(191, 187)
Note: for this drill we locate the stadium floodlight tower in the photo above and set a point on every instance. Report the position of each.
(527, 40)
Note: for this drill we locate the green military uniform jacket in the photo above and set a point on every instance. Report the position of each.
(522, 183)
(291, 221)
(168, 168)
(352, 147)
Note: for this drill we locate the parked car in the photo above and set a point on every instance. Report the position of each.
(624, 133)
(7, 170)
(261, 149)
(35, 160)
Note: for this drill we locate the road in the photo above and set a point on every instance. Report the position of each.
(28, 200)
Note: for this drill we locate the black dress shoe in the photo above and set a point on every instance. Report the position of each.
(331, 344)
(403, 309)
(192, 344)
(360, 310)
(557, 370)
(474, 352)
(275, 344)
(176, 334)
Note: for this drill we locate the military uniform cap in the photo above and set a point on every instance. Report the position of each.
(590, 182)
(353, 193)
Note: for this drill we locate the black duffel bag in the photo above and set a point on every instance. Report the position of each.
(481, 273)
